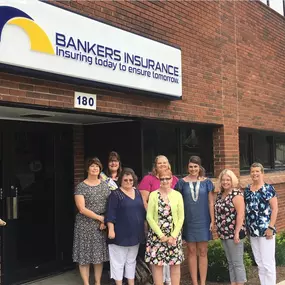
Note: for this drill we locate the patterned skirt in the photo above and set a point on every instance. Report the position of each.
(161, 253)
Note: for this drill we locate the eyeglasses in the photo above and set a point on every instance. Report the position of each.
(165, 178)
(128, 180)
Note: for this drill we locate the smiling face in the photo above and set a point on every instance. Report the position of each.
(165, 181)
(113, 165)
(165, 178)
(94, 170)
(161, 164)
(256, 174)
(127, 181)
(226, 182)
(193, 169)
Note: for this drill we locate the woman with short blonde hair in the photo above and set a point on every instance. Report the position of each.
(234, 179)
(229, 216)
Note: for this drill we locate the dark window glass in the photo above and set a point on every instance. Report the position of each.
(160, 139)
(261, 149)
(197, 141)
(177, 143)
(244, 154)
(267, 148)
(279, 159)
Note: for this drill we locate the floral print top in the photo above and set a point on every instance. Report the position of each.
(225, 215)
(162, 253)
(258, 210)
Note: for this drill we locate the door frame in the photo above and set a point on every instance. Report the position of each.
(9, 128)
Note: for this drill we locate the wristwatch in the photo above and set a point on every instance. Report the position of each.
(271, 228)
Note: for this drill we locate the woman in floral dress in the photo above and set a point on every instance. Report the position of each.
(165, 215)
(89, 245)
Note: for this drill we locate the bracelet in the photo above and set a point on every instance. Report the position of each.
(271, 228)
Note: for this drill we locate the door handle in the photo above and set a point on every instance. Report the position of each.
(12, 208)
(12, 205)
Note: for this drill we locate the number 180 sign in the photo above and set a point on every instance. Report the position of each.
(84, 101)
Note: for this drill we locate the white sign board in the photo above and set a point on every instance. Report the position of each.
(84, 101)
(43, 37)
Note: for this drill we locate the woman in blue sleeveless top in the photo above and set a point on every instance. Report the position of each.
(198, 196)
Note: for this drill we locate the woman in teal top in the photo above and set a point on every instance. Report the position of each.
(165, 215)
(198, 197)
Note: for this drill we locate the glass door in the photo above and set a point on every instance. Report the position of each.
(32, 244)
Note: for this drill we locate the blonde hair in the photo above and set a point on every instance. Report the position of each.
(154, 171)
(234, 179)
(257, 164)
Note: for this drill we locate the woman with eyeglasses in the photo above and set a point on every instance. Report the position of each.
(165, 215)
(150, 183)
(113, 171)
(125, 220)
(198, 196)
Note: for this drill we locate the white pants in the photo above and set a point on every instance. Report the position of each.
(123, 261)
(264, 254)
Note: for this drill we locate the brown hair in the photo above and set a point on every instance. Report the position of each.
(257, 164)
(128, 171)
(93, 160)
(165, 172)
(197, 160)
(114, 156)
(154, 171)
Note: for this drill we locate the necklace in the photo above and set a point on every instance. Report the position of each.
(194, 192)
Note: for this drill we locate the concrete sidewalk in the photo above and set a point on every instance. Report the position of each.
(68, 278)
(73, 278)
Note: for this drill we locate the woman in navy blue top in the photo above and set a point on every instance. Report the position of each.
(125, 219)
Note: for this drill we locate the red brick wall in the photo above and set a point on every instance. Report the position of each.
(232, 60)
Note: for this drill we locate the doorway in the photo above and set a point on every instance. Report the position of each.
(36, 193)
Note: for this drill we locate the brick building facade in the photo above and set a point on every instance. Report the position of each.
(232, 76)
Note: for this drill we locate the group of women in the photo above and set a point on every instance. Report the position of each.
(111, 222)
(258, 205)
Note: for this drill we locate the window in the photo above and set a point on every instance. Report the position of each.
(177, 142)
(160, 139)
(261, 149)
(267, 148)
(279, 158)
(277, 5)
(197, 141)
(244, 153)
